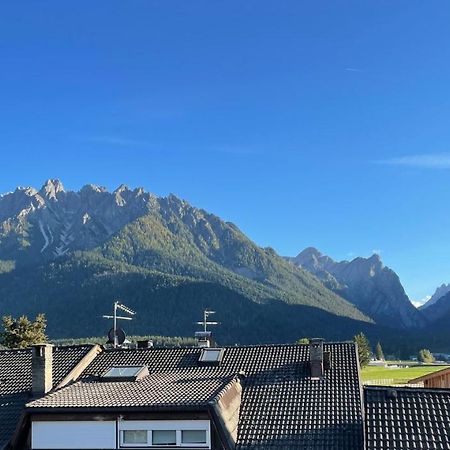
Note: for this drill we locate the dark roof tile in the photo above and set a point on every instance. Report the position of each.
(15, 381)
(282, 407)
(407, 418)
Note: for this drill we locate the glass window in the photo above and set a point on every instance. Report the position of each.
(193, 436)
(164, 437)
(135, 436)
(211, 355)
(117, 372)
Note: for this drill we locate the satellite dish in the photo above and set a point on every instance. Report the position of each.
(120, 336)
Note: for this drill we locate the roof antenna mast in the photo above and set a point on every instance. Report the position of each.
(116, 334)
(204, 336)
(205, 322)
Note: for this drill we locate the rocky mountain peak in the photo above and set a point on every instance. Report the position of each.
(88, 188)
(440, 292)
(309, 252)
(311, 258)
(51, 188)
(27, 190)
(367, 283)
(122, 188)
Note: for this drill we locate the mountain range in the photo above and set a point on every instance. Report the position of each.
(71, 254)
(368, 284)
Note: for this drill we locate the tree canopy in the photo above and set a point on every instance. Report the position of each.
(364, 351)
(425, 356)
(379, 352)
(22, 332)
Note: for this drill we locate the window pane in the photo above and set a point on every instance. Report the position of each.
(193, 437)
(129, 371)
(134, 436)
(164, 437)
(210, 354)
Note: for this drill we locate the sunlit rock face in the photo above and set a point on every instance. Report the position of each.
(49, 222)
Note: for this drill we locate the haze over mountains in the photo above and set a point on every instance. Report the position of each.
(70, 254)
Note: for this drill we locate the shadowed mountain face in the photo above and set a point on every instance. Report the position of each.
(437, 309)
(64, 251)
(368, 284)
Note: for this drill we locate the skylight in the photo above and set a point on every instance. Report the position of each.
(211, 356)
(125, 373)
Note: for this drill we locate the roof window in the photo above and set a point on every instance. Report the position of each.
(125, 373)
(212, 356)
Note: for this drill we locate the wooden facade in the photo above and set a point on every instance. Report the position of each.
(436, 380)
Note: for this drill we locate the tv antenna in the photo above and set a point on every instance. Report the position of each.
(117, 335)
(205, 322)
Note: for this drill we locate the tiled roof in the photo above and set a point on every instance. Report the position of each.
(171, 389)
(282, 407)
(407, 418)
(15, 381)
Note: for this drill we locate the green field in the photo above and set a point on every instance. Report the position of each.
(390, 376)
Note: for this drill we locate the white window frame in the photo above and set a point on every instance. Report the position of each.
(157, 425)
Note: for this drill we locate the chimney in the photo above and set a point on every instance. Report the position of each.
(41, 368)
(204, 338)
(316, 357)
(145, 343)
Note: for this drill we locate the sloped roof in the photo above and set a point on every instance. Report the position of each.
(281, 406)
(428, 376)
(407, 418)
(15, 381)
(157, 390)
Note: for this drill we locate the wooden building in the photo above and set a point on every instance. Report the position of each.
(437, 380)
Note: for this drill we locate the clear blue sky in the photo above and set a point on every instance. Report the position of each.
(322, 123)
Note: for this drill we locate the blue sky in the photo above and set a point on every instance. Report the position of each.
(305, 123)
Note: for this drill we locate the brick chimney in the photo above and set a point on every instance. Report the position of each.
(41, 368)
(316, 357)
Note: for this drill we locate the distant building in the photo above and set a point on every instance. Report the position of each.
(225, 398)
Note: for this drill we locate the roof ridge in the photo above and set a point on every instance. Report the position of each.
(17, 350)
(408, 389)
(55, 347)
(233, 379)
(73, 346)
(150, 349)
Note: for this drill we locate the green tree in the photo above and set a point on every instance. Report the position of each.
(425, 356)
(303, 340)
(364, 352)
(22, 332)
(379, 352)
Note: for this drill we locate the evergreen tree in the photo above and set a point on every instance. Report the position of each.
(364, 352)
(425, 356)
(379, 352)
(22, 332)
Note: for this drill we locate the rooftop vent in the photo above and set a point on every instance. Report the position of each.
(211, 356)
(125, 373)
